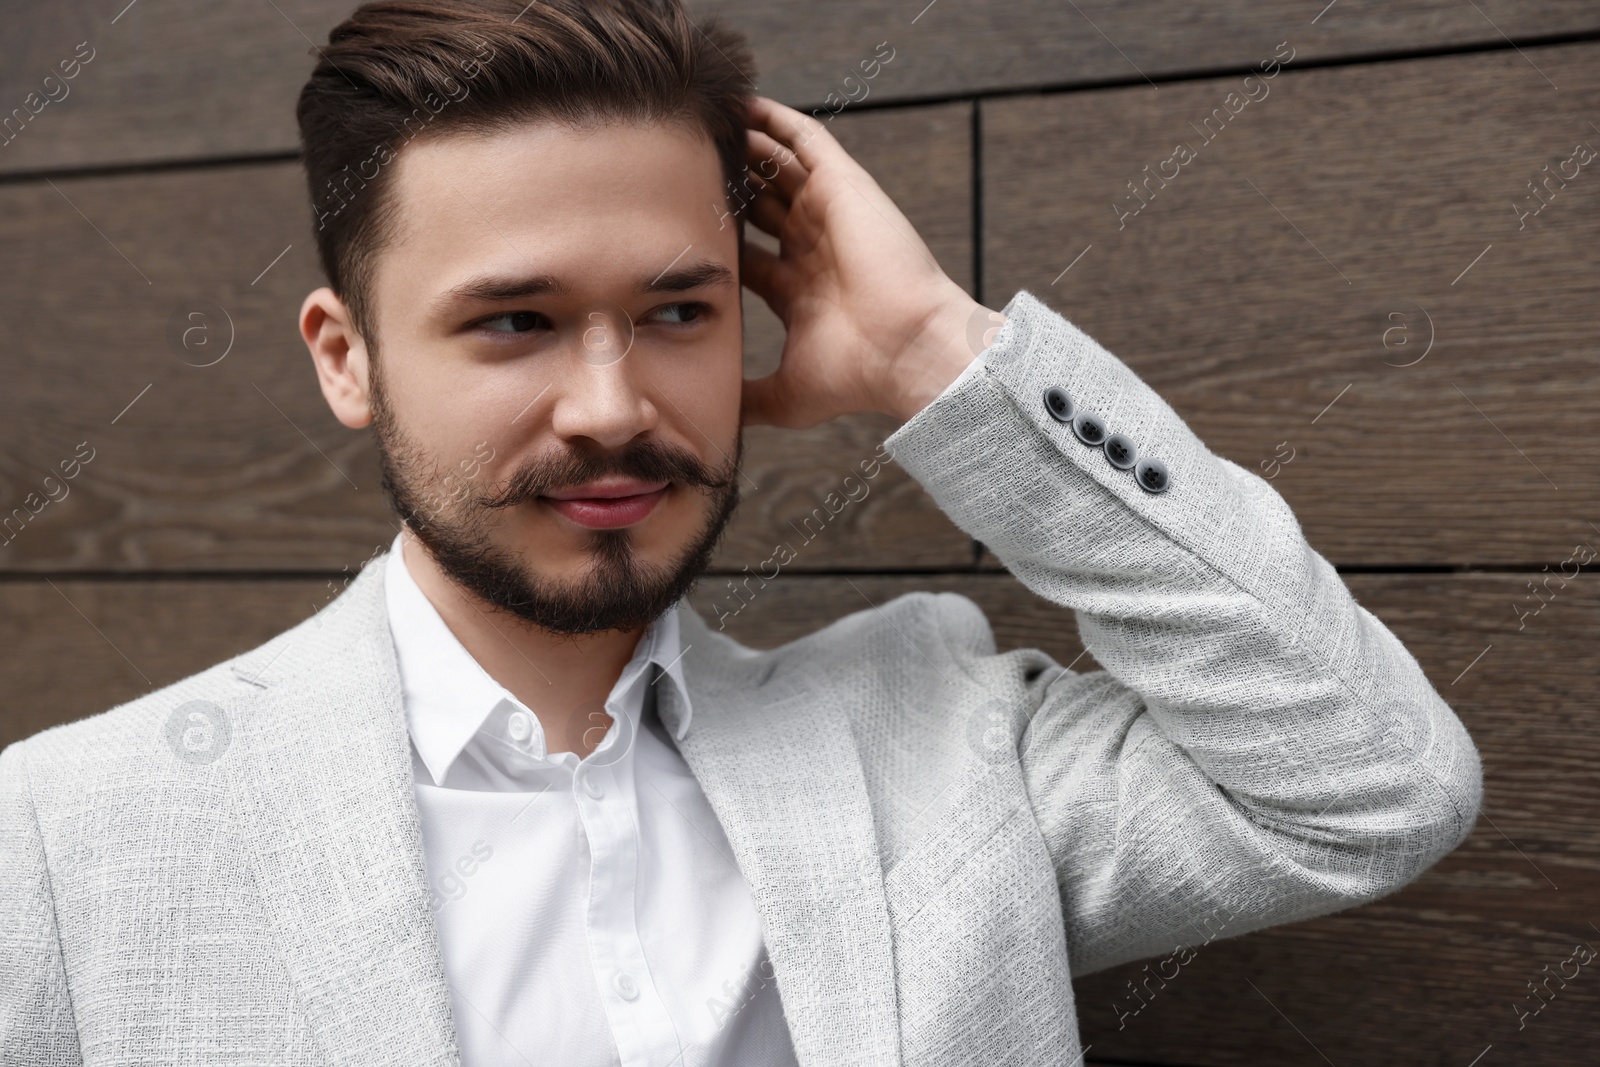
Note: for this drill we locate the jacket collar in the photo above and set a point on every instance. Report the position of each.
(323, 791)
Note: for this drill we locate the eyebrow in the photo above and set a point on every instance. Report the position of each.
(502, 287)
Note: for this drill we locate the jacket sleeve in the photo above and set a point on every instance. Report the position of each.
(37, 1028)
(1259, 748)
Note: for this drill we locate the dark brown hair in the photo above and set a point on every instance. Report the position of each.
(396, 70)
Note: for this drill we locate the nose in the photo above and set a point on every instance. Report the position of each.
(601, 398)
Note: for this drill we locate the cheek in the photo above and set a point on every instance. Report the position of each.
(727, 356)
(440, 428)
(446, 424)
(709, 389)
(454, 411)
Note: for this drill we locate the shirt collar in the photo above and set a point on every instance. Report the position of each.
(448, 695)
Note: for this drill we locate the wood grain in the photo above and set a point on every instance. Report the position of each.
(190, 79)
(1256, 289)
(76, 647)
(240, 465)
(1427, 975)
(946, 48)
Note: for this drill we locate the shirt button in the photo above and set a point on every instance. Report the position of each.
(592, 786)
(627, 988)
(520, 726)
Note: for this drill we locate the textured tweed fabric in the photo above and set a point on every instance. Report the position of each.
(229, 870)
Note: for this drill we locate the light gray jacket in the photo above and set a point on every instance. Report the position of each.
(938, 838)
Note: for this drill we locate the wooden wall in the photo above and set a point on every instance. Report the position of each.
(1339, 275)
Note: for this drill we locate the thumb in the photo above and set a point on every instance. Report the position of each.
(761, 404)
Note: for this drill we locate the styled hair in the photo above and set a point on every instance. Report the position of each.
(396, 70)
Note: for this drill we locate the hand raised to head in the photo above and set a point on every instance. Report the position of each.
(873, 323)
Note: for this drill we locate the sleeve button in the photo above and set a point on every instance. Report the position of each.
(1151, 475)
(1120, 451)
(1058, 403)
(1090, 429)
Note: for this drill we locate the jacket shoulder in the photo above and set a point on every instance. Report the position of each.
(957, 617)
(926, 619)
(186, 715)
(905, 644)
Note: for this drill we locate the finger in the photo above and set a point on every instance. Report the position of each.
(775, 164)
(762, 272)
(753, 187)
(768, 212)
(809, 139)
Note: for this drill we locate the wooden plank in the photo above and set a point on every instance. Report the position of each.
(239, 465)
(186, 79)
(1428, 975)
(1280, 290)
(957, 49)
(78, 647)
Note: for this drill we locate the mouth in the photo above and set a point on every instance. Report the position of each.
(607, 505)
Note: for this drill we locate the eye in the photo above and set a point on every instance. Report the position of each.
(680, 314)
(514, 322)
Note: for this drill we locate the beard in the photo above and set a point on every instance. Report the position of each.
(617, 590)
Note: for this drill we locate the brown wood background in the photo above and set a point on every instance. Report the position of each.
(1278, 292)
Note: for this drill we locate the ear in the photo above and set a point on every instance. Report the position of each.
(340, 354)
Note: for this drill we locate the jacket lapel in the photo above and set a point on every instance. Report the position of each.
(323, 791)
(779, 766)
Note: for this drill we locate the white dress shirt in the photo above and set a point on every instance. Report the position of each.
(589, 910)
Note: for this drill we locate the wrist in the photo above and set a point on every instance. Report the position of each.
(955, 332)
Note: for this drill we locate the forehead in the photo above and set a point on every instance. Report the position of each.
(593, 205)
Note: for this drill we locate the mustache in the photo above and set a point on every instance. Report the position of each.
(646, 461)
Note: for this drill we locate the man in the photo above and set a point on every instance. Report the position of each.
(507, 799)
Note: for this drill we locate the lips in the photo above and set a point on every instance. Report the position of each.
(608, 505)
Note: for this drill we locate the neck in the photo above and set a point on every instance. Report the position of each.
(563, 679)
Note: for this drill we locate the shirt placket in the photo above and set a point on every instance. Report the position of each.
(604, 790)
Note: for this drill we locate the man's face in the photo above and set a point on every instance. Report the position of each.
(557, 379)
